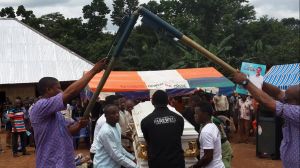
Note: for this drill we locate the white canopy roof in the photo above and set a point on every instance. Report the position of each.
(27, 56)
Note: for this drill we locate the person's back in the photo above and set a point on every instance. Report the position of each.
(162, 130)
(210, 132)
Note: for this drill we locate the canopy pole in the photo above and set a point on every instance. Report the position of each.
(99, 88)
(207, 54)
(127, 30)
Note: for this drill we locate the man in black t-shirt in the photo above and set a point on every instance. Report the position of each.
(189, 112)
(162, 131)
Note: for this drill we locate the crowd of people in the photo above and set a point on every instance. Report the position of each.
(49, 122)
(15, 116)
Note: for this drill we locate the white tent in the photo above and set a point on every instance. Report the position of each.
(27, 56)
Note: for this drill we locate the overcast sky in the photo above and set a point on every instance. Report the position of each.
(73, 8)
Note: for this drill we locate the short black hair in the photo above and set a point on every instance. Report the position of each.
(195, 99)
(205, 107)
(259, 68)
(110, 99)
(120, 96)
(105, 110)
(130, 100)
(160, 98)
(44, 83)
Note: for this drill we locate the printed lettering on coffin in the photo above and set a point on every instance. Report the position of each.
(165, 120)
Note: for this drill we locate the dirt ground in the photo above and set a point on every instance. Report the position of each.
(244, 156)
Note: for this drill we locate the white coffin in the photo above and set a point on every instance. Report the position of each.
(142, 110)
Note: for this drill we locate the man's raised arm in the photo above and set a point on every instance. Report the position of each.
(273, 91)
(74, 89)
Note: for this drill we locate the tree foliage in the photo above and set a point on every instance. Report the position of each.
(8, 12)
(227, 28)
(95, 13)
(123, 8)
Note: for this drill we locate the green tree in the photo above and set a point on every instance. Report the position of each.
(270, 31)
(287, 53)
(123, 8)
(21, 11)
(95, 13)
(292, 23)
(7, 12)
(197, 60)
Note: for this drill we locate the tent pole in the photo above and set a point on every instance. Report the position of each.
(99, 87)
(128, 27)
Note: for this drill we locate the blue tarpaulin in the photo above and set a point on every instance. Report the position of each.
(283, 76)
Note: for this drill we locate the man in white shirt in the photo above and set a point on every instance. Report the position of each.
(257, 79)
(112, 99)
(210, 138)
(109, 151)
(245, 109)
(221, 105)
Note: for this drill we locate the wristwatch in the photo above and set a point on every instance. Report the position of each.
(245, 82)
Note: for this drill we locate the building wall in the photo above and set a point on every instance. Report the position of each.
(13, 91)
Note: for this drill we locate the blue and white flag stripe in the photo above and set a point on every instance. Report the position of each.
(283, 76)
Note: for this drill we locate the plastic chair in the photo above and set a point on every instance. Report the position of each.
(83, 133)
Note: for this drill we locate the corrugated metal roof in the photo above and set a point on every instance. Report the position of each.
(27, 55)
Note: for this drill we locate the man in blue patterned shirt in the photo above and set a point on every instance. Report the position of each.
(53, 134)
(286, 106)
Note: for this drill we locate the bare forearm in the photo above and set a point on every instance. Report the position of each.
(204, 161)
(12, 123)
(74, 89)
(261, 97)
(74, 129)
(273, 91)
